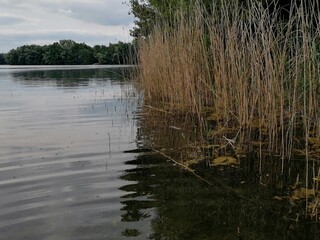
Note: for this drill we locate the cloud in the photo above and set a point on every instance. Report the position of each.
(101, 15)
(65, 11)
(105, 12)
(10, 20)
(46, 21)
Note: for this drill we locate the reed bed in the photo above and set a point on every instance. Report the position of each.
(254, 72)
(249, 76)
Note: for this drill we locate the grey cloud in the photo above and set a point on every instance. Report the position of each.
(14, 4)
(11, 20)
(21, 28)
(104, 12)
(111, 12)
(105, 15)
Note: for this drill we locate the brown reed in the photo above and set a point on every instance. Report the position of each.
(256, 73)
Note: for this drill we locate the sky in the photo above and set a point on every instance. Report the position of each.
(94, 22)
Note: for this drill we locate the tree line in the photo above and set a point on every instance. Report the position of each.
(69, 52)
(148, 13)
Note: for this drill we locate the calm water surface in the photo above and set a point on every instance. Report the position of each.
(63, 133)
(70, 169)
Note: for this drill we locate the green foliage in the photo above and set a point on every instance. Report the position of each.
(68, 52)
(27, 54)
(148, 13)
(52, 54)
(145, 16)
(120, 53)
(2, 59)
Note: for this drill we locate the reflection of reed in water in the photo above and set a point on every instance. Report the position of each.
(172, 133)
(182, 207)
(176, 136)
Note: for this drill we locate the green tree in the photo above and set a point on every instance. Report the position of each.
(27, 54)
(101, 54)
(68, 52)
(52, 54)
(33, 55)
(12, 57)
(148, 12)
(2, 59)
(114, 53)
(145, 15)
(84, 54)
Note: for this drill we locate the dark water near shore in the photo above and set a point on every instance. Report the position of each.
(70, 169)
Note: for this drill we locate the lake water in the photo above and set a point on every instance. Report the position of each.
(63, 133)
(73, 166)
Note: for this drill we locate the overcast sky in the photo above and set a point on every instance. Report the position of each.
(47, 21)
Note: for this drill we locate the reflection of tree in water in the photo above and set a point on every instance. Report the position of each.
(181, 206)
(69, 77)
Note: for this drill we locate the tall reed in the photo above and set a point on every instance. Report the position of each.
(257, 73)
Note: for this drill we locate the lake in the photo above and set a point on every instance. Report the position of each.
(74, 164)
(63, 135)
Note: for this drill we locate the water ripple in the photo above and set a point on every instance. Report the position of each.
(61, 157)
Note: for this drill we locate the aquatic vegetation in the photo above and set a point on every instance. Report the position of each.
(249, 81)
(256, 75)
(224, 161)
